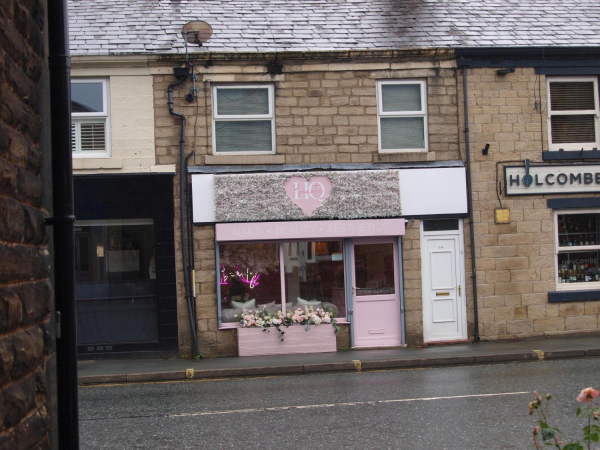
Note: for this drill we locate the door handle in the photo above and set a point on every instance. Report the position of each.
(459, 294)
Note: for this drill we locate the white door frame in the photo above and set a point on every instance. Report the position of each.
(460, 267)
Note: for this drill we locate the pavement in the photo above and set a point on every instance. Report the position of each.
(142, 370)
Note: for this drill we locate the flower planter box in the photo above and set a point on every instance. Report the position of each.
(256, 342)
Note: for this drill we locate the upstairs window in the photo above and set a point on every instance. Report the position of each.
(243, 120)
(573, 113)
(402, 112)
(89, 117)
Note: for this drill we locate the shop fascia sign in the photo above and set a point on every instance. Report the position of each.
(540, 179)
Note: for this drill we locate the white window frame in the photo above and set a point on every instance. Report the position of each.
(589, 285)
(79, 118)
(224, 118)
(422, 113)
(595, 112)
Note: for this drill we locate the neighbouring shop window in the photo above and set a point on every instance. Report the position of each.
(116, 272)
(573, 113)
(89, 117)
(243, 119)
(402, 112)
(578, 249)
(249, 278)
(314, 275)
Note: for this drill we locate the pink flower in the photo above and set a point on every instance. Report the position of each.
(587, 395)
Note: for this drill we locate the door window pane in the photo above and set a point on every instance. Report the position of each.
(314, 275)
(115, 274)
(249, 278)
(374, 269)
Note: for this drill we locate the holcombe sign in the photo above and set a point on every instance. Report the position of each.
(551, 179)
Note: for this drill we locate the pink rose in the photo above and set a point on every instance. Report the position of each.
(587, 395)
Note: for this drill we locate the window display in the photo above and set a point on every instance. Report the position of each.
(250, 277)
(577, 247)
(314, 276)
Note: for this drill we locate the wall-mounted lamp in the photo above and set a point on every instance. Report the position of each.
(485, 150)
(505, 71)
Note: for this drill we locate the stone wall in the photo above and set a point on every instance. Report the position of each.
(515, 262)
(325, 113)
(131, 123)
(25, 289)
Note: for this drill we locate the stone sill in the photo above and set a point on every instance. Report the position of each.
(573, 296)
(97, 163)
(229, 160)
(404, 157)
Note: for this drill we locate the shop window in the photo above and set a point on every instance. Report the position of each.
(314, 276)
(250, 277)
(243, 120)
(573, 113)
(578, 250)
(402, 113)
(89, 117)
(115, 273)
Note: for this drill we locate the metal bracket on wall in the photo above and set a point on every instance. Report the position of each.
(49, 221)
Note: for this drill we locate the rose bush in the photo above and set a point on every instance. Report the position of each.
(550, 436)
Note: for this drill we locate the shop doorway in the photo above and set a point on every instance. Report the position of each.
(376, 293)
(444, 302)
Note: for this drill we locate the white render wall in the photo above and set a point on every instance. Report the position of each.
(131, 129)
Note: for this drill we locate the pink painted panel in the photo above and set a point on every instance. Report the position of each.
(317, 229)
(308, 194)
(256, 342)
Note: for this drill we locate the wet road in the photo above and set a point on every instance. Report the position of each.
(470, 407)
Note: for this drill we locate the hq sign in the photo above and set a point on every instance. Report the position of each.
(551, 179)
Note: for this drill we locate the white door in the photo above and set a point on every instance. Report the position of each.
(444, 304)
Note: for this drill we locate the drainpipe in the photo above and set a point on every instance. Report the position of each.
(470, 201)
(190, 229)
(63, 221)
(186, 277)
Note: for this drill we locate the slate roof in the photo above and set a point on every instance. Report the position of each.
(99, 27)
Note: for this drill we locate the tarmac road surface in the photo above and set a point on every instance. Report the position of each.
(468, 407)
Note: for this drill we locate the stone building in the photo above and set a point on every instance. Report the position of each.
(535, 105)
(327, 163)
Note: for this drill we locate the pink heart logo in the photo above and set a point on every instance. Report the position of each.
(308, 194)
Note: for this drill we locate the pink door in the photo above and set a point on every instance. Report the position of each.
(376, 293)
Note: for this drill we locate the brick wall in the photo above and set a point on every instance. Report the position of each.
(25, 289)
(515, 262)
(324, 113)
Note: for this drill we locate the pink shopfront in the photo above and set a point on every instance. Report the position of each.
(326, 239)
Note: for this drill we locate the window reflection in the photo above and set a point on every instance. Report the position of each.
(314, 275)
(249, 278)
